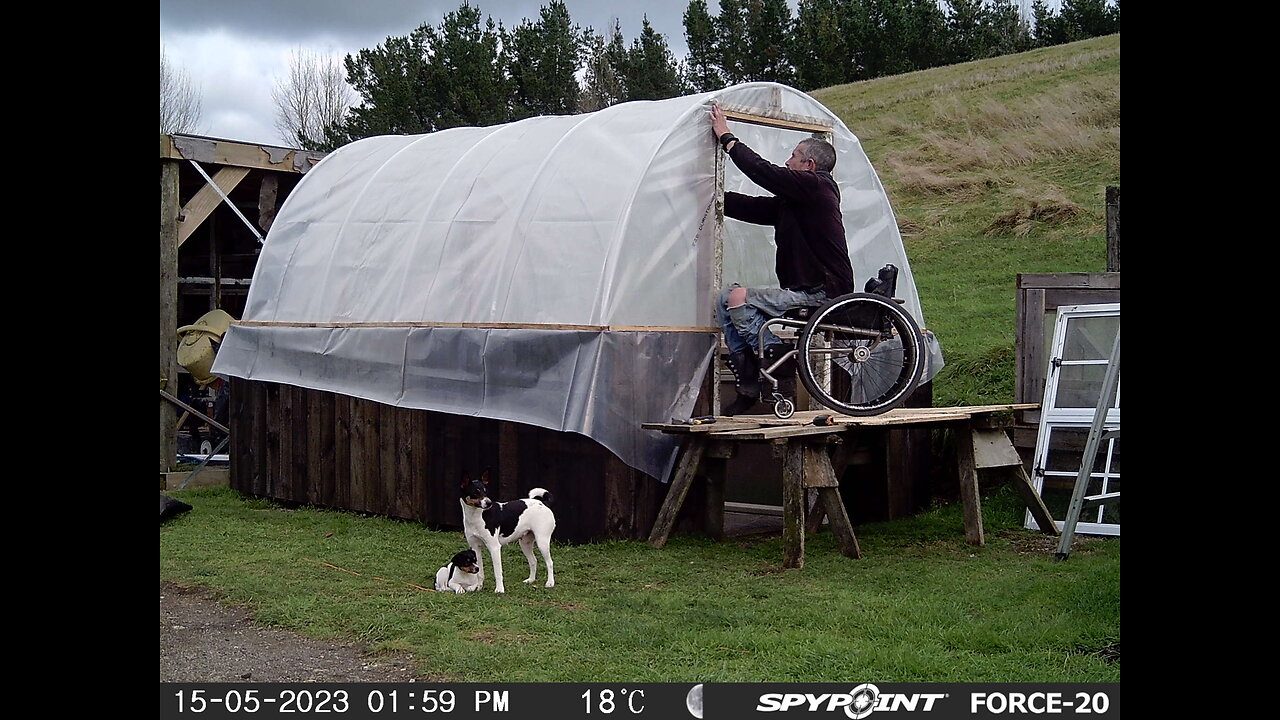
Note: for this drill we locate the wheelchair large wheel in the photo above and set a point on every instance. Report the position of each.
(861, 354)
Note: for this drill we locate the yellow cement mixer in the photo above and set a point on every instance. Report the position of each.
(198, 344)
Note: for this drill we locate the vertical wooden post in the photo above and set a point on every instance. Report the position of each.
(717, 275)
(267, 193)
(715, 468)
(169, 209)
(215, 268)
(1113, 229)
(968, 470)
(793, 505)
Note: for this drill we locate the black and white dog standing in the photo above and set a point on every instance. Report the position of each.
(462, 574)
(489, 524)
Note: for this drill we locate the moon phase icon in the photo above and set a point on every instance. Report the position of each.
(694, 701)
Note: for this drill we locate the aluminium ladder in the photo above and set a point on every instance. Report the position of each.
(1079, 501)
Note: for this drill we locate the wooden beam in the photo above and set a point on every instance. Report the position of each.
(716, 472)
(169, 396)
(829, 498)
(817, 468)
(680, 483)
(776, 119)
(816, 513)
(1033, 501)
(268, 193)
(238, 154)
(968, 476)
(1030, 345)
(781, 432)
(793, 506)
(719, 425)
(485, 326)
(991, 448)
(168, 311)
(768, 427)
(717, 276)
(204, 202)
(1113, 229)
(1051, 281)
(198, 280)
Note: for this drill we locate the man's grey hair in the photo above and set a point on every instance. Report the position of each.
(820, 151)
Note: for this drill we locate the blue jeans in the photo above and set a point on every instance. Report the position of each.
(742, 325)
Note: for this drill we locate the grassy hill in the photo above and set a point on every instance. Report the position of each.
(994, 168)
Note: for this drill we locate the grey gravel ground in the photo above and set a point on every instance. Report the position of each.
(202, 640)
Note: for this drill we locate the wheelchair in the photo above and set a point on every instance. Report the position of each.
(859, 354)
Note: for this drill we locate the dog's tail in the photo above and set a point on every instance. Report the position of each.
(541, 494)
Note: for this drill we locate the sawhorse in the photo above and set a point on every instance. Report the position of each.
(807, 466)
(982, 445)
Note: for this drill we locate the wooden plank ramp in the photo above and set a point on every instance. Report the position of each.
(768, 427)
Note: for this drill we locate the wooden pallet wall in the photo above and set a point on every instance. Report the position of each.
(319, 448)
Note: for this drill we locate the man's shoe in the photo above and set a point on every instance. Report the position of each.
(740, 405)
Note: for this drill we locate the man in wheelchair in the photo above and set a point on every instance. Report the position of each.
(812, 261)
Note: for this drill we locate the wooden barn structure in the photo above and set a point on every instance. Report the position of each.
(217, 200)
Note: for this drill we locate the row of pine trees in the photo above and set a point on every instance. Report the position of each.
(469, 70)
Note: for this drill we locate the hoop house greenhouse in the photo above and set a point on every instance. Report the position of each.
(559, 271)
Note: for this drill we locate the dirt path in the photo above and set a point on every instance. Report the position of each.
(202, 640)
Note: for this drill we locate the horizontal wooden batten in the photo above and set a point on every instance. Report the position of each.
(1046, 281)
(484, 326)
(777, 119)
(198, 280)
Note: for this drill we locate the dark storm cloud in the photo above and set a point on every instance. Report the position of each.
(361, 20)
(284, 19)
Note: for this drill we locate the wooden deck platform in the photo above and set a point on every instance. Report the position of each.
(810, 464)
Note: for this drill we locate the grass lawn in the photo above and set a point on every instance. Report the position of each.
(921, 606)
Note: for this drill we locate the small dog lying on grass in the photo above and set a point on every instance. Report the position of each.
(462, 574)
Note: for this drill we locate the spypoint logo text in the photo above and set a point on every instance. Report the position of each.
(857, 703)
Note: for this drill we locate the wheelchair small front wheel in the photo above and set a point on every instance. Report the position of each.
(861, 354)
(784, 408)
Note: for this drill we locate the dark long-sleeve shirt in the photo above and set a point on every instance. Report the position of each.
(805, 214)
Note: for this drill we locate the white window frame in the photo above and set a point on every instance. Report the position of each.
(1053, 418)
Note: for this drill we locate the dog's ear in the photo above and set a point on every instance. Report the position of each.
(466, 479)
(484, 477)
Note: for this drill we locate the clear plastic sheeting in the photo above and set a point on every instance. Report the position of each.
(557, 271)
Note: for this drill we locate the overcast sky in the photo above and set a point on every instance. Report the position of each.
(234, 50)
